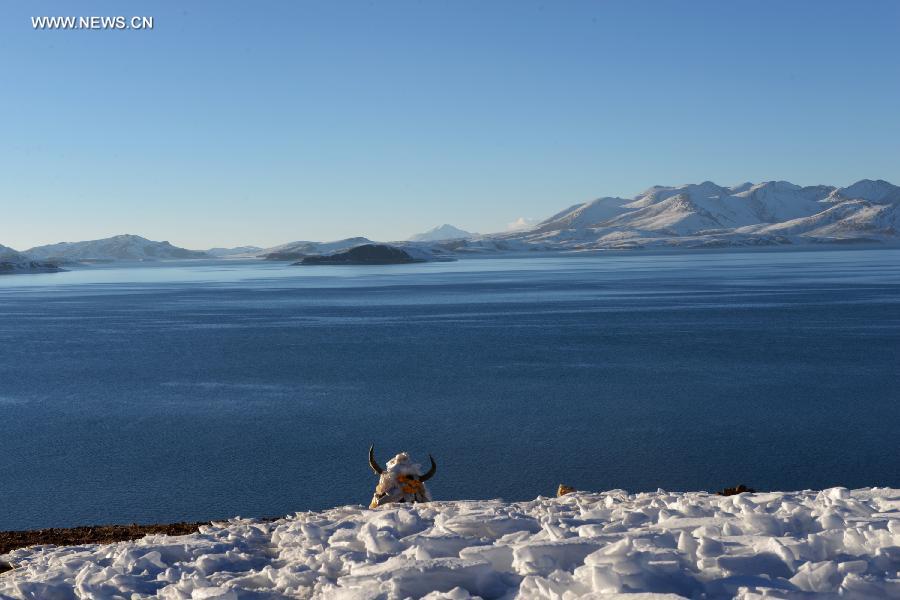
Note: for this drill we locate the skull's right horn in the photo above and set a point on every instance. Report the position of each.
(430, 472)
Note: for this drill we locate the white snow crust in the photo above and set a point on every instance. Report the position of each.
(661, 545)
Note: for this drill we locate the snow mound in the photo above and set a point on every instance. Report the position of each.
(808, 544)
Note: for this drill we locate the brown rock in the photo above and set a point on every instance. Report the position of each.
(563, 490)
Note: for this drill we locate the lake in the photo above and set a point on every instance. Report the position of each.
(208, 389)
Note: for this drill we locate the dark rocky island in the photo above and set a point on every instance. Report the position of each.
(366, 254)
(28, 266)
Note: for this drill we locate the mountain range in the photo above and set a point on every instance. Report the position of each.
(706, 214)
(700, 215)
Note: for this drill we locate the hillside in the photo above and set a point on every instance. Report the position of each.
(13, 262)
(120, 247)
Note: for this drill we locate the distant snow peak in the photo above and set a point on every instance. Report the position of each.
(522, 224)
(743, 187)
(878, 191)
(440, 233)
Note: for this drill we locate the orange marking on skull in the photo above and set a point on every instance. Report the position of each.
(410, 485)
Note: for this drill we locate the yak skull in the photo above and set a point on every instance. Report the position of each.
(401, 480)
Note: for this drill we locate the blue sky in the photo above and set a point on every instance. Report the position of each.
(237, 123)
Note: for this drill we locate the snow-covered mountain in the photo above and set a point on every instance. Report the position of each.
(237, 252)
(12, 262)
(706, 214)
(703, 215)
(442, 232)
(120, 247)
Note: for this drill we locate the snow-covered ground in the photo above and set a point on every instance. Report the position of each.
(833, 543)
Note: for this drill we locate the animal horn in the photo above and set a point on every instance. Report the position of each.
(430, 472)
(374, 463)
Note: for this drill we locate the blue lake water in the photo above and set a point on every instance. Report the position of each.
(147, 393)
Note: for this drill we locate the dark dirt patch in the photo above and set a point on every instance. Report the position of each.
(98, 534)
(94, 534)
(733, 491)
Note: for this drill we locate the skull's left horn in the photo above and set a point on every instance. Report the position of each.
(430, 472)
(374, 463)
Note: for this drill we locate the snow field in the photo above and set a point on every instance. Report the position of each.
(833, 543)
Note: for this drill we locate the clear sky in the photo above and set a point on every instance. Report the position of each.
(236, 123)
